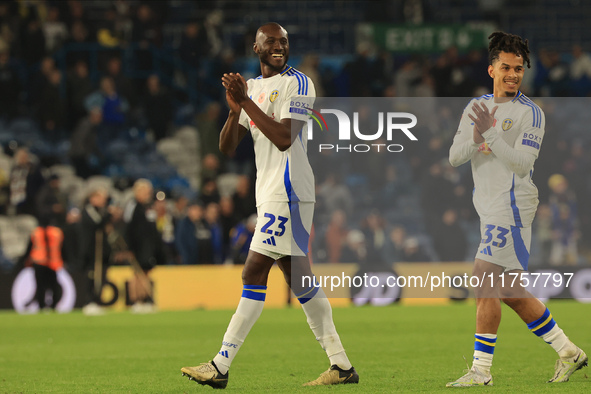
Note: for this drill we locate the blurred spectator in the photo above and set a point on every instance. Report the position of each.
(165, 226)
(114, 107)
(355, 250)
(375, 238)
(394, 250)
(209, 192)
(334, 195)
(209, 126)
(563, 204)
(179, 209)
(83, 144)
(241, 238)
(146, 32)
(123, 85)
(406, 79)
(580, 71)
(72, 246)
(243, 198)
(449, 238)
(52, 203)
(158, 107)
(359, 79)
(210, 168)
(194, 44)
(25, 182)
(52, 113)
(109, 32)
(79, 87)
(144, 242)
(413, 253)
(213, 29)
(436, 195)
(10, 85)
(185, 238)
(8, 24)
(95, 231)
(40, 79)
(309, 66)
(55, 31)
(78, 35)
(228, 220)
(335, 236)
(543, 232)
(32, 42)
(212, 219)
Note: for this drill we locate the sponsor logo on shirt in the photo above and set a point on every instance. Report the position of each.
(261, 97)
(532, 140)
(484, 149)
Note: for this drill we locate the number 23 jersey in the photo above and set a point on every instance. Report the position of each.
(282, 176)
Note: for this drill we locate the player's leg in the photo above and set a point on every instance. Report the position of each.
(488, 318)
(540, 321)
(254, 278)
(299, 276)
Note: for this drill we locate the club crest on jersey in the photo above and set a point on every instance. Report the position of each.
(261, 97)
(484, 149)
(507, 123)
(274, 95)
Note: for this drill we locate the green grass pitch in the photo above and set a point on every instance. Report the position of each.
(394, 349)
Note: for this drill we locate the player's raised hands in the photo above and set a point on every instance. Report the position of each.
(484, 120)
(235, 86)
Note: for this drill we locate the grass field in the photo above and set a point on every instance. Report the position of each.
(394, 349)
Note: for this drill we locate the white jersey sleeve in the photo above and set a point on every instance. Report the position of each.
(532, 129)
(300, 96)
(463, 147)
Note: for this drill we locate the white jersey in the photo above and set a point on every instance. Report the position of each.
(282, 176)
(500, 196)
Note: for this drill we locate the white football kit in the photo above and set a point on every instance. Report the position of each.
(504, 195)
(285, 192)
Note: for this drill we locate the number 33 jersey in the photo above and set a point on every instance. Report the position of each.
(501, 196)
(282, 176)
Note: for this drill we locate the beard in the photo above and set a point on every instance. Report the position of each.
(510, 94)
(263, 57)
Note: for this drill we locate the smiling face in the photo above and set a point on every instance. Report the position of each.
(272, 46)
(507, 73)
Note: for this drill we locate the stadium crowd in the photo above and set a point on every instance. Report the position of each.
(83, 109)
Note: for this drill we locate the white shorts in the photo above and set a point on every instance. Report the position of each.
(283, 229)
(505, 245)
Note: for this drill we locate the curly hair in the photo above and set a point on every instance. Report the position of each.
(510, 43)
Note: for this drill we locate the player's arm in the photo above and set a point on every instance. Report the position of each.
(279, 133)
(233, 132)
(521, 157)
(465, 143)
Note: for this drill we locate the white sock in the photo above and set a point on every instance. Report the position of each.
(484, 348)
(546, 328)
(559, 342)
(319, 314)
(248, 311)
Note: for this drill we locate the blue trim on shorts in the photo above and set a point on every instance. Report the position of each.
(516, 215)
(520, 249)
(300, 235)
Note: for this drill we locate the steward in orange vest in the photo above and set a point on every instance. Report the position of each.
(46, 256)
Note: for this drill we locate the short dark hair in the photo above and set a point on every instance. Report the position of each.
(509, 43)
